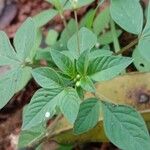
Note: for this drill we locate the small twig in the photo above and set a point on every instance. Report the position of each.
(126, 48)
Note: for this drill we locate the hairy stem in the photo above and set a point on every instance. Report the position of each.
(114, 34)
(126, 48)
(77, 29)
(61, 10)
(65, 24)
(45, 136)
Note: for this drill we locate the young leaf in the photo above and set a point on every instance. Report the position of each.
(47, 77)
(51, 37)
(87, 40)
(101, 21)
(106, 68)
(128, 14)
(88, 116)
(44, 17)
(82, 63)
(125, 127)
(43, 101)
(25, 38)
(87, 20)
(87, 84)
(63, 62)
(69, 104)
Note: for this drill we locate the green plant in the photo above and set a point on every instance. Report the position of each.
(77, 60)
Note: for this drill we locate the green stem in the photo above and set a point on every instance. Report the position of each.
(115, 37)
(77, 29)
(45, 136)
(63, 19)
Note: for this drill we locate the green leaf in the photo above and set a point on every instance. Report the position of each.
(63, 62)
(80, 3)
(88, 116)
(68, 54)
(65, 147)
(146, 31)
(142, 64)
(82, 63)
(67, 4)
(101, 21)
(69, 104)
(26, 136)
(125, 127)
(7, 87)
(87, 84)
(67, 33)
(51, 37)
(37, 43)
(7, 53)
(47, 77)
(12, 82)
(100, 53)
(58, 4)
(80, 92)
(101, 2)
(44, 17)
(143, 46)
(43, 101)
(128, 14)
(144, 42)
(87, 20)
(87, 41)
(107, 37)
(43, 53)
(23, 75)
(25, 39)
(106, 68)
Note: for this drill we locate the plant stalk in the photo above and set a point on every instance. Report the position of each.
(77, 29)
(45, 136)
(126, 48)
(114, 34)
